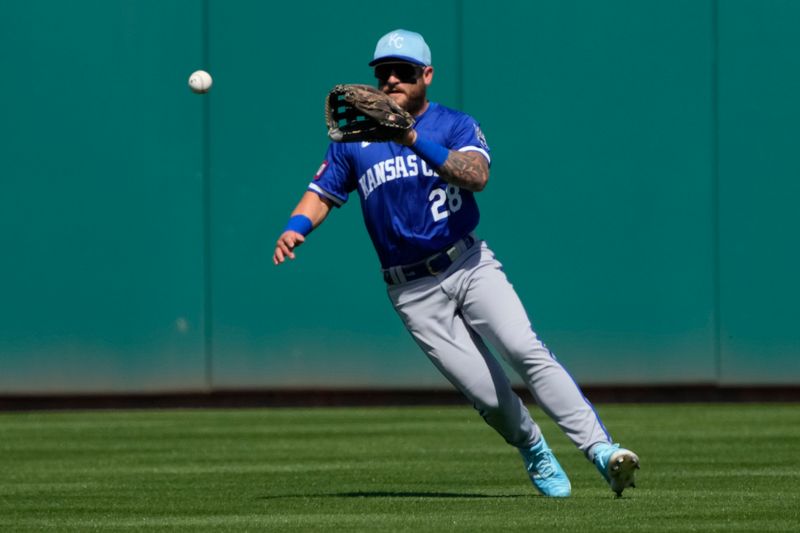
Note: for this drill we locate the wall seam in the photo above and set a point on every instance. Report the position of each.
(460, 54)
(715, 191)
(208, 345)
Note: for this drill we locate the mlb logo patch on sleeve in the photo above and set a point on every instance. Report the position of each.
(322, 168)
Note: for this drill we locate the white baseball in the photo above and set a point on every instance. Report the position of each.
(200, 81)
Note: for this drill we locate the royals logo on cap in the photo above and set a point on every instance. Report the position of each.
(402, 45)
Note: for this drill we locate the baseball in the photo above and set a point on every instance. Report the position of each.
(200, 81)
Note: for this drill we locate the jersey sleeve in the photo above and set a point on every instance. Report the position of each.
(334, 179)
(467, 136)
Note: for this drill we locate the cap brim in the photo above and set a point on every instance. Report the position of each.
(389, 59)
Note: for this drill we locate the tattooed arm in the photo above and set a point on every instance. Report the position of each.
(468, 170)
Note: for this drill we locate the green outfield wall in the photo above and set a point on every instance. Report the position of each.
(643, 197)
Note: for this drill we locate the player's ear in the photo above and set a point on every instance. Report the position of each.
(427, 75)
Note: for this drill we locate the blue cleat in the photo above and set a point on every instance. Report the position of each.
(546, 474)
(617, 465)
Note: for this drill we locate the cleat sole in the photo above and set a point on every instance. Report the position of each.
(622, 473)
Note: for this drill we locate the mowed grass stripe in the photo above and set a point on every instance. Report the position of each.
(705, 468)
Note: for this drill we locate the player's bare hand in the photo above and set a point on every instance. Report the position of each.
(408, 137)
(285, 246)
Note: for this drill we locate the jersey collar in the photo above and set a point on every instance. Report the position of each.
(431, 105)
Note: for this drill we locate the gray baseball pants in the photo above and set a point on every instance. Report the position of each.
(452, 316)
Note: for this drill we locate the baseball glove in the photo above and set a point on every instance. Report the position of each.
(363, 113)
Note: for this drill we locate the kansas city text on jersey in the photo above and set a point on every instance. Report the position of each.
(390, 169)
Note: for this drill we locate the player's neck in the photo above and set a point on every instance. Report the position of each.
(422, 108)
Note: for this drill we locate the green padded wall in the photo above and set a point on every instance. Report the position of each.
(759, 187)
(324, 319)
(599, 117)
(641, 199)
(101, 277)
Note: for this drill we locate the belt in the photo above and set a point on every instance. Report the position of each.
(433, 265)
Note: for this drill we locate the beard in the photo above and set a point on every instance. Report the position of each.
(411, 100)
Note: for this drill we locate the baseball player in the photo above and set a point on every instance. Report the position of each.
(417, 194)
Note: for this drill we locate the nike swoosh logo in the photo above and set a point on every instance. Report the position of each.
(364, 144)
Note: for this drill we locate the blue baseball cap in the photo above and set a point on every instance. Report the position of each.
(402, 45)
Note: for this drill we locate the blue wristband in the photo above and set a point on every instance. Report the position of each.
(299, 223)
(431, 152)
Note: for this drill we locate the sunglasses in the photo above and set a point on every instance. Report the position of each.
(405, 72)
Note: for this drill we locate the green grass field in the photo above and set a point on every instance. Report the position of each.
(732, 467)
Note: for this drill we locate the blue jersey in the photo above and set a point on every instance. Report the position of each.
(410, 212)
